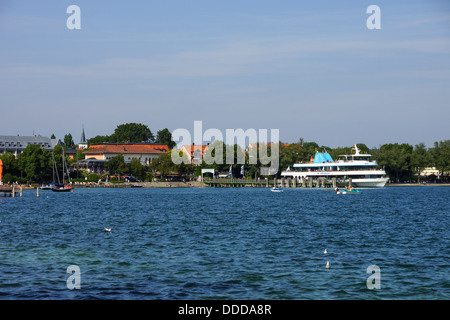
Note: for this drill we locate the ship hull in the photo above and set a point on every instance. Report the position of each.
(370, 183)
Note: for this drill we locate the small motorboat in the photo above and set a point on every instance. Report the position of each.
(46, 187)
(276, 189)
(348, 191)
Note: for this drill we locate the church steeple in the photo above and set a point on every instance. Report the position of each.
(83, 142)
(83, 136)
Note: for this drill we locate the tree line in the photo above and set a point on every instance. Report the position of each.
(33, 165)
(402, 162)
(134, 133)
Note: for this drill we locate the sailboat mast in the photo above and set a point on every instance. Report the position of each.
(53, 166)
(63, 165)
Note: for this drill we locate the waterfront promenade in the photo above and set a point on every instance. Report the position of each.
(222, 183)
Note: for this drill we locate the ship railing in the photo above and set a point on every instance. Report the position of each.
(322, 170)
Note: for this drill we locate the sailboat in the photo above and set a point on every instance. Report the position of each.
(275, 189)
(60, 187)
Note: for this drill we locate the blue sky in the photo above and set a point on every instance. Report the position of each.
(311, 69)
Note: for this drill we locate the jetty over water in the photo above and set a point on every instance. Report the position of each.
(12, 191)
(320, 182)
(6, 190)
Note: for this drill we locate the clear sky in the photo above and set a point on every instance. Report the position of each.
(311, 69)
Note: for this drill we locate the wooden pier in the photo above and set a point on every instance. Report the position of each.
(6, 191)
(320, 182)
(12, 191)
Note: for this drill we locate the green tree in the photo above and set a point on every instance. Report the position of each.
(234, 154)
(363, 149)
(163, 164)
(290, 154)
(299, 152)
(137, 169)
(336, 152)
(308, 150)
(132, 133)
(79, 156)
(215, 156)
(165, 137)
(396, 158)
(251, 171)
(92, 177)
(116, 165)
(421, 158)
(441, 156)
(10, 164)
(185, 169)
(35, 162)
(99, 140)
(57, 156)
(68, 141)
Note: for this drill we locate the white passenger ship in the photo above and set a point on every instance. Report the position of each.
(358, 167)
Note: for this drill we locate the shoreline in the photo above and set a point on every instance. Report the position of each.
(148, 184)
(417, 185)
(199, 184)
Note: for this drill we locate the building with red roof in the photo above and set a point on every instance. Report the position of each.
(195, 153)
(145, 152)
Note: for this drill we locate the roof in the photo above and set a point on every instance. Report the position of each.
(193, 148)
(125, 148)
(83, 137)
(70, 151)
(21, 142)
(322, 157)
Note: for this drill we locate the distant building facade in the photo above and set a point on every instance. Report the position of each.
(98, 154)
(17, 144)
(145, 152)
(195, 153)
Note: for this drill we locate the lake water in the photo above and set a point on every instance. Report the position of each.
(235, 243)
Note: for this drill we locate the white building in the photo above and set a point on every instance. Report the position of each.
(16, 144)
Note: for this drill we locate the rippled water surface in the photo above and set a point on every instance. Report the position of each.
(236, 243)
